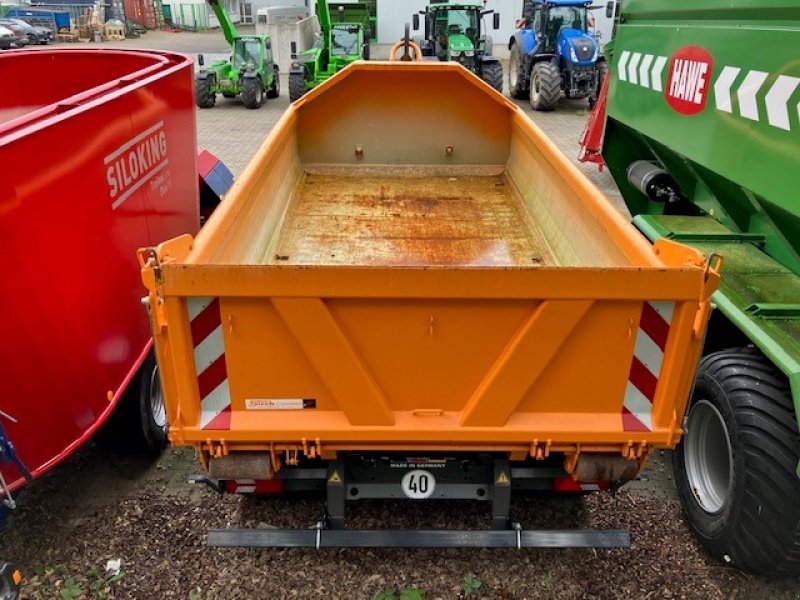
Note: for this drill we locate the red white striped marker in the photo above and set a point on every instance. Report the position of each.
(209, 362)
(648, 356)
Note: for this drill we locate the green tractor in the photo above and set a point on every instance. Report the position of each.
(454, 31)
(250, 71)
(340, 44)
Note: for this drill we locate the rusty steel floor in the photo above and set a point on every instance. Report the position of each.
(406, 221)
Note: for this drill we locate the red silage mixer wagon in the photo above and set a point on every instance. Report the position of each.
(93, 165)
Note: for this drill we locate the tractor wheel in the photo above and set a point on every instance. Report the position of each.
(492, 73)
(275, 89)
(139, 422)
(602, 73)
(516, 74)
(297, 86)
(735, 467)
(365, 52)
(252, 92)
(545, 86)
(203, 96)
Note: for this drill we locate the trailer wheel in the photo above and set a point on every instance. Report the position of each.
(516, 74)
(275, 88)
(139, 423)
(297, 86)
(492, 73)
(735, 467)
(252, 92)
(203, 96)
(545, 86)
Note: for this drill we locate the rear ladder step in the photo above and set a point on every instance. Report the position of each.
(417, 538)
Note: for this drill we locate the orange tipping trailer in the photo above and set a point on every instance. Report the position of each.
(407, 296)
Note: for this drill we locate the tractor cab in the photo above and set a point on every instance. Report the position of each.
(249, 51)
(346, 40)
(454, 31)
(562, 27)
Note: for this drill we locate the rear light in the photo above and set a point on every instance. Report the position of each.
(253, 486)
(568, 484)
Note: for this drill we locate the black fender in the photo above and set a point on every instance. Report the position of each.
(537, 58)
(202, 75)
(488, 59)
(516, 39)
(251, 75)
(297, 68)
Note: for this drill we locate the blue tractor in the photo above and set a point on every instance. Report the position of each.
(553, 50)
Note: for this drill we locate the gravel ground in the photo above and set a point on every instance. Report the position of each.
(62, 538)
(98, 507)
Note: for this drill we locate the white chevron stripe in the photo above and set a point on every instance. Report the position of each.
(746, 93)
(633, 66)
(777, 99)
(644, 70)
(622, 65)
(722, 88)
(657, 74)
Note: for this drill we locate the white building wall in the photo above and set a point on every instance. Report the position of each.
(196, 14)
(393, 16)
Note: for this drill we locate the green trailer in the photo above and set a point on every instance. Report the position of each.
(701, 136)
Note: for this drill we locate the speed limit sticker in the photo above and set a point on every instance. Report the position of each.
(418, 484)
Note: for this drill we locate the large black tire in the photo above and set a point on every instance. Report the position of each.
(297, 83)
(517, 87)
(139, 423)
(203, 96)
(602, 73)
(545, 86)
(252, 92)
(275, 87)
(365, 51)
(735, 467)
(492, 73)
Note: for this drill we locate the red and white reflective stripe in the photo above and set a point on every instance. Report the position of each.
(209, 362)
(648, 355)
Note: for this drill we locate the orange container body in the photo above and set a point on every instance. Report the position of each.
(398, 271)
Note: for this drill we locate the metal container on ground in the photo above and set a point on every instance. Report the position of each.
(96, 163)
(421, 299)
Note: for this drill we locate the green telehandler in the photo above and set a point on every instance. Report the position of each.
(340, 44)
(454, 32)
(250, 71)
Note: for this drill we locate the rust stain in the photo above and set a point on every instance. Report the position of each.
(404, 221)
